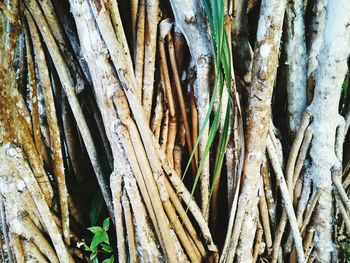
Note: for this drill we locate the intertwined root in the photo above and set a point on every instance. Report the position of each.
(26, 221)
(143, 159)
(147, 127)
(305, 189)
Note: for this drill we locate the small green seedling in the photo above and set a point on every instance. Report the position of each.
(100, 245)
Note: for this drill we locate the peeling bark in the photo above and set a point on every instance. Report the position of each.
(326, 118)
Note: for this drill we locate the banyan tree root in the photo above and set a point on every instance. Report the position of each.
(258, 113)
(83, 16)
(55, 142)
(181, 99)
(31, 187)
(145, 143)
(296, 63)
(323, 150)
(287, 199)
(147, 247)
(33, 102)
(151, 26)
(66, 80)
(17, 248)
(17, 216)
(328, 80)
(289, 178)
(6, 251)
(32, 252)
(132, 161)
(189, 19)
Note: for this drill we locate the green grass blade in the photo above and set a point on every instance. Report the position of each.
(222, 147)
(227, 62)
(215, 13)
(211, 137)
(209, 13)
(201, 131)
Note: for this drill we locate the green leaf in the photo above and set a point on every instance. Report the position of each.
(93, 256)
(98, 239)
(106, 224)
(109, 260)
(215, 29)
(96, 229)
(96, 207)
(107, 248)
(86, 247)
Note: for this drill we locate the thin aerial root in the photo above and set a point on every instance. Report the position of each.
(32, 252)
(308, 245)
(270, 200)
(181, 99)
(194, 123)
(168, 134)
(33, 102)
(17, 248)
(309, 211)
(263, 209)
(151, 24)
(336, 176)
(164, 131)
(287, 200)
(185, 219)
(191, 251)
(258, 240)
(10, 240)
(343, 212)
(139, 46)
(171, 140)
(302, 155)
(305, 121)
(67, 84)
(55, 143)
(178, 159)
(158, 111)
(129, 228)
(116, 187)
(134, 8)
